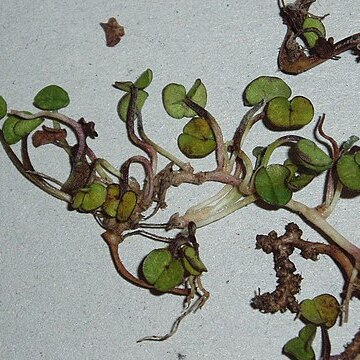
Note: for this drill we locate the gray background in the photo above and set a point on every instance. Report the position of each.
(60, 296)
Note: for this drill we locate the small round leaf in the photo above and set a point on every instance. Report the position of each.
(348, 170)
(197, 139)
(284, 114)
(270, 184)
(90, 198)
(51, 97)
(173, 99)
(265, 88)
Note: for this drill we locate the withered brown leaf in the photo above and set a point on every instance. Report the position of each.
(113, 32)
(47, 136)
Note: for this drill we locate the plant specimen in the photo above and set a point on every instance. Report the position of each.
(124, 206)
(295, 58)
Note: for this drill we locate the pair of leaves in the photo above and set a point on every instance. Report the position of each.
(289, 114)
(90, 198)
(165, 272)
(119, 205)
(51, 97)
(197, 139)
(275, 183)
(142, 82)
(174, 96)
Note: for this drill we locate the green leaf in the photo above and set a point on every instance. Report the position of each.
(300, 348)
(270, 184)
(284, 114)
(197, 139)
(126, 206)
(124, 102)
(3, 107)
(90, 198)
(174, 96)
(312, 36)
(321, 310)
(311, 156)
(162, 270)
(123, 85)
(144, 80)
(198, 95)
(265, 88)
(348, 170)
(15, 129)
(51, 97)
(191, 261)
(299, 176)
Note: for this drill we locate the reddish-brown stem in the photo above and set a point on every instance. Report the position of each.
(113, 241)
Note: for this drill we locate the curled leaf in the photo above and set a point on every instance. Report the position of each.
(300, 348)
(112, 201)
(270, 184)
(309, 25)
(51, 97)
(197, 139)
(265, 88)
(162, 270)
(311, 156)
(113, 32)
(48, 136)
(299, 176)
(192, 262)
(284, 114)
(15, 129)
(348, 170)
(321, 310)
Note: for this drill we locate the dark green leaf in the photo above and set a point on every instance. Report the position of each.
(300, 348)
(51, 97)
(144, 80)
(311, 156)
(265, 88)
(270, 184)
(284, 114)
(348, 170)
(197, 139)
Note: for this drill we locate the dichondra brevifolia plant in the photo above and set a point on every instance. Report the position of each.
(124, 206)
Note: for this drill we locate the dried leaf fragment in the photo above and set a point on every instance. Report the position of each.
(113, 32)
(47, 136)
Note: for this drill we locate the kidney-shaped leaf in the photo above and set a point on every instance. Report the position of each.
(51, 97)
(284, 114)
(197, 139)
(270, 184)
(321, 310)
(265, 88)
